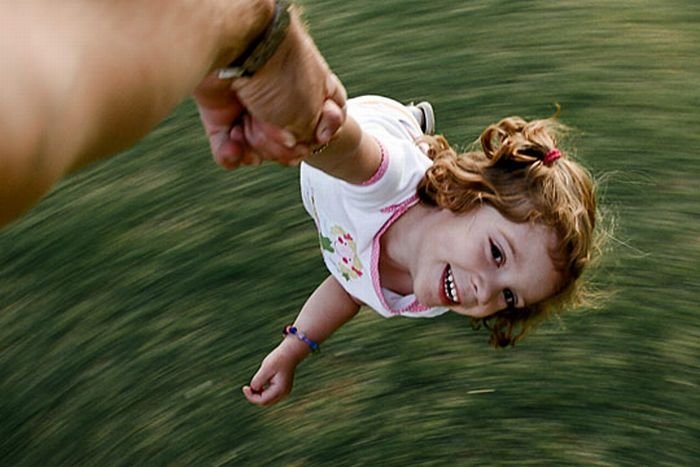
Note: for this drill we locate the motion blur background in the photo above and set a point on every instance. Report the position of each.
(142, 294)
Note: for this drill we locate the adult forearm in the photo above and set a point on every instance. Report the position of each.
(83, 79)
(112, 70)
(176, 44)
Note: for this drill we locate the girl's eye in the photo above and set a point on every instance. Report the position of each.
(509, 297)
(497, 254)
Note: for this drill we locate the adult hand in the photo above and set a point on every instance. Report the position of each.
(266, 140)
(292, 91)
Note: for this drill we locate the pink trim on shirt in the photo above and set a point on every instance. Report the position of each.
(381, 170)
(400, 207)
(415, 307)
(397, 211)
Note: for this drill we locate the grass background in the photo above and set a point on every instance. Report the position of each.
(142, 293)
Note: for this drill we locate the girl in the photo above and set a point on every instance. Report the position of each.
(410, 228)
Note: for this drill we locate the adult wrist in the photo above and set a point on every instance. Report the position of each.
(259, 51)
(238, 23)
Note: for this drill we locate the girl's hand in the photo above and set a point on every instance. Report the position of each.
(273, 380)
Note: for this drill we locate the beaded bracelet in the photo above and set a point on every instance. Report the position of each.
(319, 149)
(302, 337)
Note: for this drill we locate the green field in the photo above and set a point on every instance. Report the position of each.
(142, 293)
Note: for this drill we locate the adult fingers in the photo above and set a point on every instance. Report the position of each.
(220, 110)
(335, 90)
(332, 118)
(290, 88)
(269, 142)
(233, 150)
(333, 112)
(227, 151)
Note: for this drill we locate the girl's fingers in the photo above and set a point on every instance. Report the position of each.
(253, 397)
(261, 379)
(264, 397)
(267, 387)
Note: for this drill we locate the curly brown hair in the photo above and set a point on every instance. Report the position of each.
(512, 173)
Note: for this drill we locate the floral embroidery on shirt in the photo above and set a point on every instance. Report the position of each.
(342, 245)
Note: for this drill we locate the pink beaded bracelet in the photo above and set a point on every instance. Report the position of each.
(302, 337)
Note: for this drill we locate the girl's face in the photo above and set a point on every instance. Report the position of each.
(479, 263)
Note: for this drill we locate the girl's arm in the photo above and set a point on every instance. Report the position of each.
(327, 309)
(352, 155)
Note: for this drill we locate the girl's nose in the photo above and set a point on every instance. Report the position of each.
(486, 290)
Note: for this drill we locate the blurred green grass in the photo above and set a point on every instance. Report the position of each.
(143, 292)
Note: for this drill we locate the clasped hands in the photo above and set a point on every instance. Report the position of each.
(275, 115)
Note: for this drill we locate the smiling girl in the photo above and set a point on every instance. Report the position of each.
(408, 227)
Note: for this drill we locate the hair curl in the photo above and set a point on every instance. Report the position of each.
(509, 173)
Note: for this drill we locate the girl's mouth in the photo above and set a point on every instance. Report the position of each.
(449, 288)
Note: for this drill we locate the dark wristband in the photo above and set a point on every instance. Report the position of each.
(264, 47)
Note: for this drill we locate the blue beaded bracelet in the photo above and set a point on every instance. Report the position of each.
(302, 337)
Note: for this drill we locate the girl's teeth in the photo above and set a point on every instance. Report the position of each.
(450, 288)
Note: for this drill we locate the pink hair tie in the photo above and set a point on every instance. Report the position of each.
(551, 156)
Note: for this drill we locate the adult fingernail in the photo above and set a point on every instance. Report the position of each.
(288, 139)
(236, 133)
(330, 84)
(324, 135)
